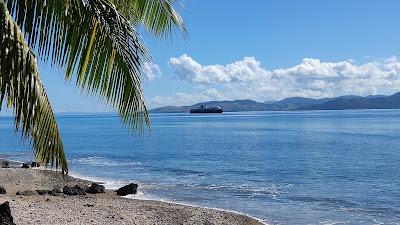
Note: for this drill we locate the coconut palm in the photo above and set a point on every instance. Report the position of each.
(95, 42)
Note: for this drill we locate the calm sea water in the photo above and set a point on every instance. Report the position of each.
(314, 167)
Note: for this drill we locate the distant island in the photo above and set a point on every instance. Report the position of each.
(297, 103)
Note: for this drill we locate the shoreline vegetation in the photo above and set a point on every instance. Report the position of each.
(102, 208)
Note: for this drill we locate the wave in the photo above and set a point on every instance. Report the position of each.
(243, 190)
(347, 206)
(102, 161)
(109, 183)
(11, 160)
(114, 184)
(151, 197)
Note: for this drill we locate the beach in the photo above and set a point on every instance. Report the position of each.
(103, 208)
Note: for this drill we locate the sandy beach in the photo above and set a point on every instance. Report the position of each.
(104, 208)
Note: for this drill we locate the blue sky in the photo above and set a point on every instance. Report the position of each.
(263, 50)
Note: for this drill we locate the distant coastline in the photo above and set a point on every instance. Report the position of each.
(296, 103)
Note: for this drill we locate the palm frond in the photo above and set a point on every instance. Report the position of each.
(95, 44)
(158, 16)
(22, 90)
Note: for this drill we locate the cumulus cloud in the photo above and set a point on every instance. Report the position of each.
(188, 69)
(180, 98)
(247, 78)
(151, 70)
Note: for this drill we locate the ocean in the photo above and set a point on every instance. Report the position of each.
(305, 167)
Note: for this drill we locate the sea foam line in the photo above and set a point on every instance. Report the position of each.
(148, 197)
(113, 184)
(195, 206)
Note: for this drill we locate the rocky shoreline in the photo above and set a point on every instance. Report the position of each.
(46, 197)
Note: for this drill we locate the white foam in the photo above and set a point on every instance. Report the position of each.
(102, 161)
(113, 184)
(108, 183)
(148, 197)
(10, 160)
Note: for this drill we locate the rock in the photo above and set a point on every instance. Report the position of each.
(43, 192)
(5, 164)
(5, 214)
(2, 190)
(25, 165)
(127, 189)
(55, 191)
(35, 164)
(75, 190)
(95, 188)
(26, 193)
(88, 205)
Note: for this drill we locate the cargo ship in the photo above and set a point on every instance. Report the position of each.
(205, 109)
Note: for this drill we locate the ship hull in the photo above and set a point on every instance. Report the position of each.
(206, 111)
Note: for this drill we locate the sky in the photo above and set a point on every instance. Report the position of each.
(263, 50)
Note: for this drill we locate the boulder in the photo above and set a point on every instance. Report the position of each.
(95, 188)
(25, 165)
(26, 193)
(75, 190)
(127, 189)
(5, 164)
(5, 214)
(2, 190)
(35, 164)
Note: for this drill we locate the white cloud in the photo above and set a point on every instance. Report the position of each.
(312, 77)
(151, 70)
(188, 69)
(181, 99)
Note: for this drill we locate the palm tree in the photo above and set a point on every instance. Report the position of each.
(95, 42)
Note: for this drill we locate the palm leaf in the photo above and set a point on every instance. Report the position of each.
(95, 44)
(158, 16)
(22, 90)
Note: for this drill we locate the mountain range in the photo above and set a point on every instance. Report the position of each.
(297, 103)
